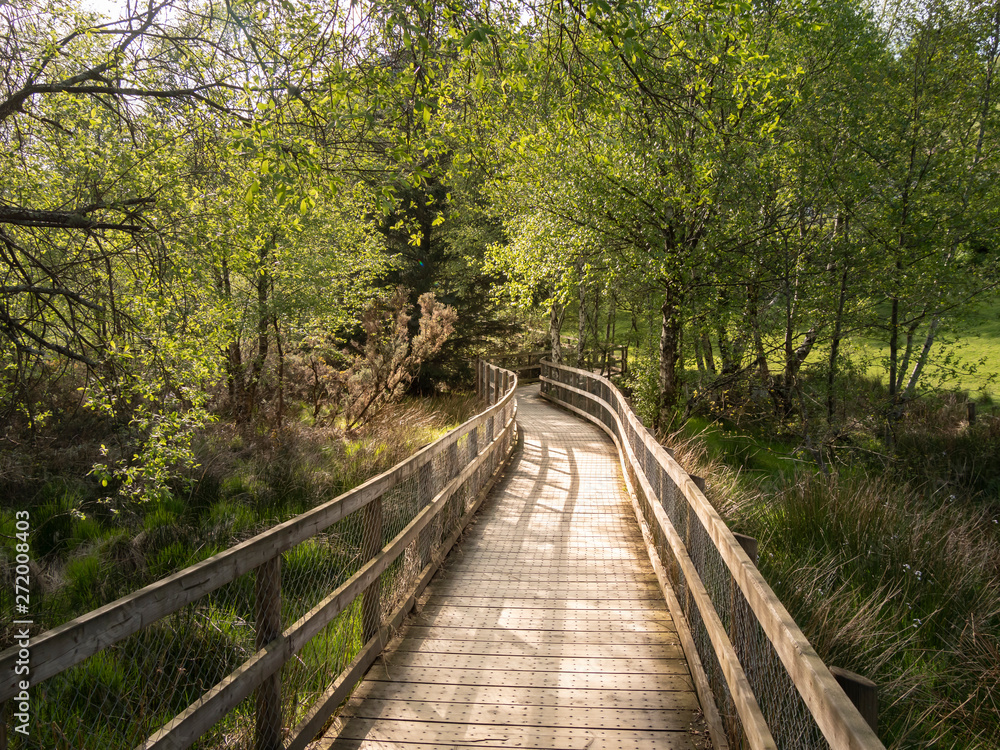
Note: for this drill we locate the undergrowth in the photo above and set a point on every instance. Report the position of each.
(889, 568)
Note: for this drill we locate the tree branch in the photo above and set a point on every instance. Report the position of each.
(35, 289)
(29, 217)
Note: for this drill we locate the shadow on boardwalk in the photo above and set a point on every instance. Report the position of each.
(545, 628)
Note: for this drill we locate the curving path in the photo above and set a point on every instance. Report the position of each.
(545, 628)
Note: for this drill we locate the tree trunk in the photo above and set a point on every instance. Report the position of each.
(753, 302)
(787, 380)
(838, 322)
(281, 372)
(670, 356)
(595, 323)
(904, 361)
(918, 367)
(706, 346)
(893, 347)
(263, 284)
(609, 333)
(725, 350)
(556, 315)
(234, 353)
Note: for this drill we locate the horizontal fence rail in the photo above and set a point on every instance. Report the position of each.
(770, 687)
(256, 646)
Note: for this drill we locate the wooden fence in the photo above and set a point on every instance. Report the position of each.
(401, 525)
(612, 360)
(760, 682)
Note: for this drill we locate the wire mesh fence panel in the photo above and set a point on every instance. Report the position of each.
(124, 693)
(310, 571)
(787, 715)
(305, 677)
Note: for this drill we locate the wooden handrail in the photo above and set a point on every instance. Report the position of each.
(834, 714)
(66, 646)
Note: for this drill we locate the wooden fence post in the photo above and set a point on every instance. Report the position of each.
(371, 543)
(742, 616)
(268, 611)
(749, 545)
(972, 412)
(425, 493)
(689, 528)
(862, 692)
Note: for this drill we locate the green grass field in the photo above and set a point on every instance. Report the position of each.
(964, 358)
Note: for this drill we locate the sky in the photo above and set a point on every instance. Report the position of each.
(110, 8)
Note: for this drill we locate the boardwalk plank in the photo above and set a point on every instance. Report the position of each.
(546, 603)
(369, 734)
(513, 635)
(660, 700)
(509, 662)
(460, 593)
(525, 715)
(518, 678)
(545, 648)
(560, 614)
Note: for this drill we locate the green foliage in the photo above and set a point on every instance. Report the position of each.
(643, 384)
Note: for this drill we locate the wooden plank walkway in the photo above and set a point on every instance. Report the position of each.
(545, 628)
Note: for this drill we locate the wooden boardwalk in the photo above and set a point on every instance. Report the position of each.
(545, 628)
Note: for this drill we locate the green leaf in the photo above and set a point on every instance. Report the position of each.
(474, 36)
(252, 191)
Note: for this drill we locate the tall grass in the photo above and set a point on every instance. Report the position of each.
(886, 579)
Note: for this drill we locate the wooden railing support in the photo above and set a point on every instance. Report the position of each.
(749, 545)
(371, 543)
(862, 692)
(268, 610)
